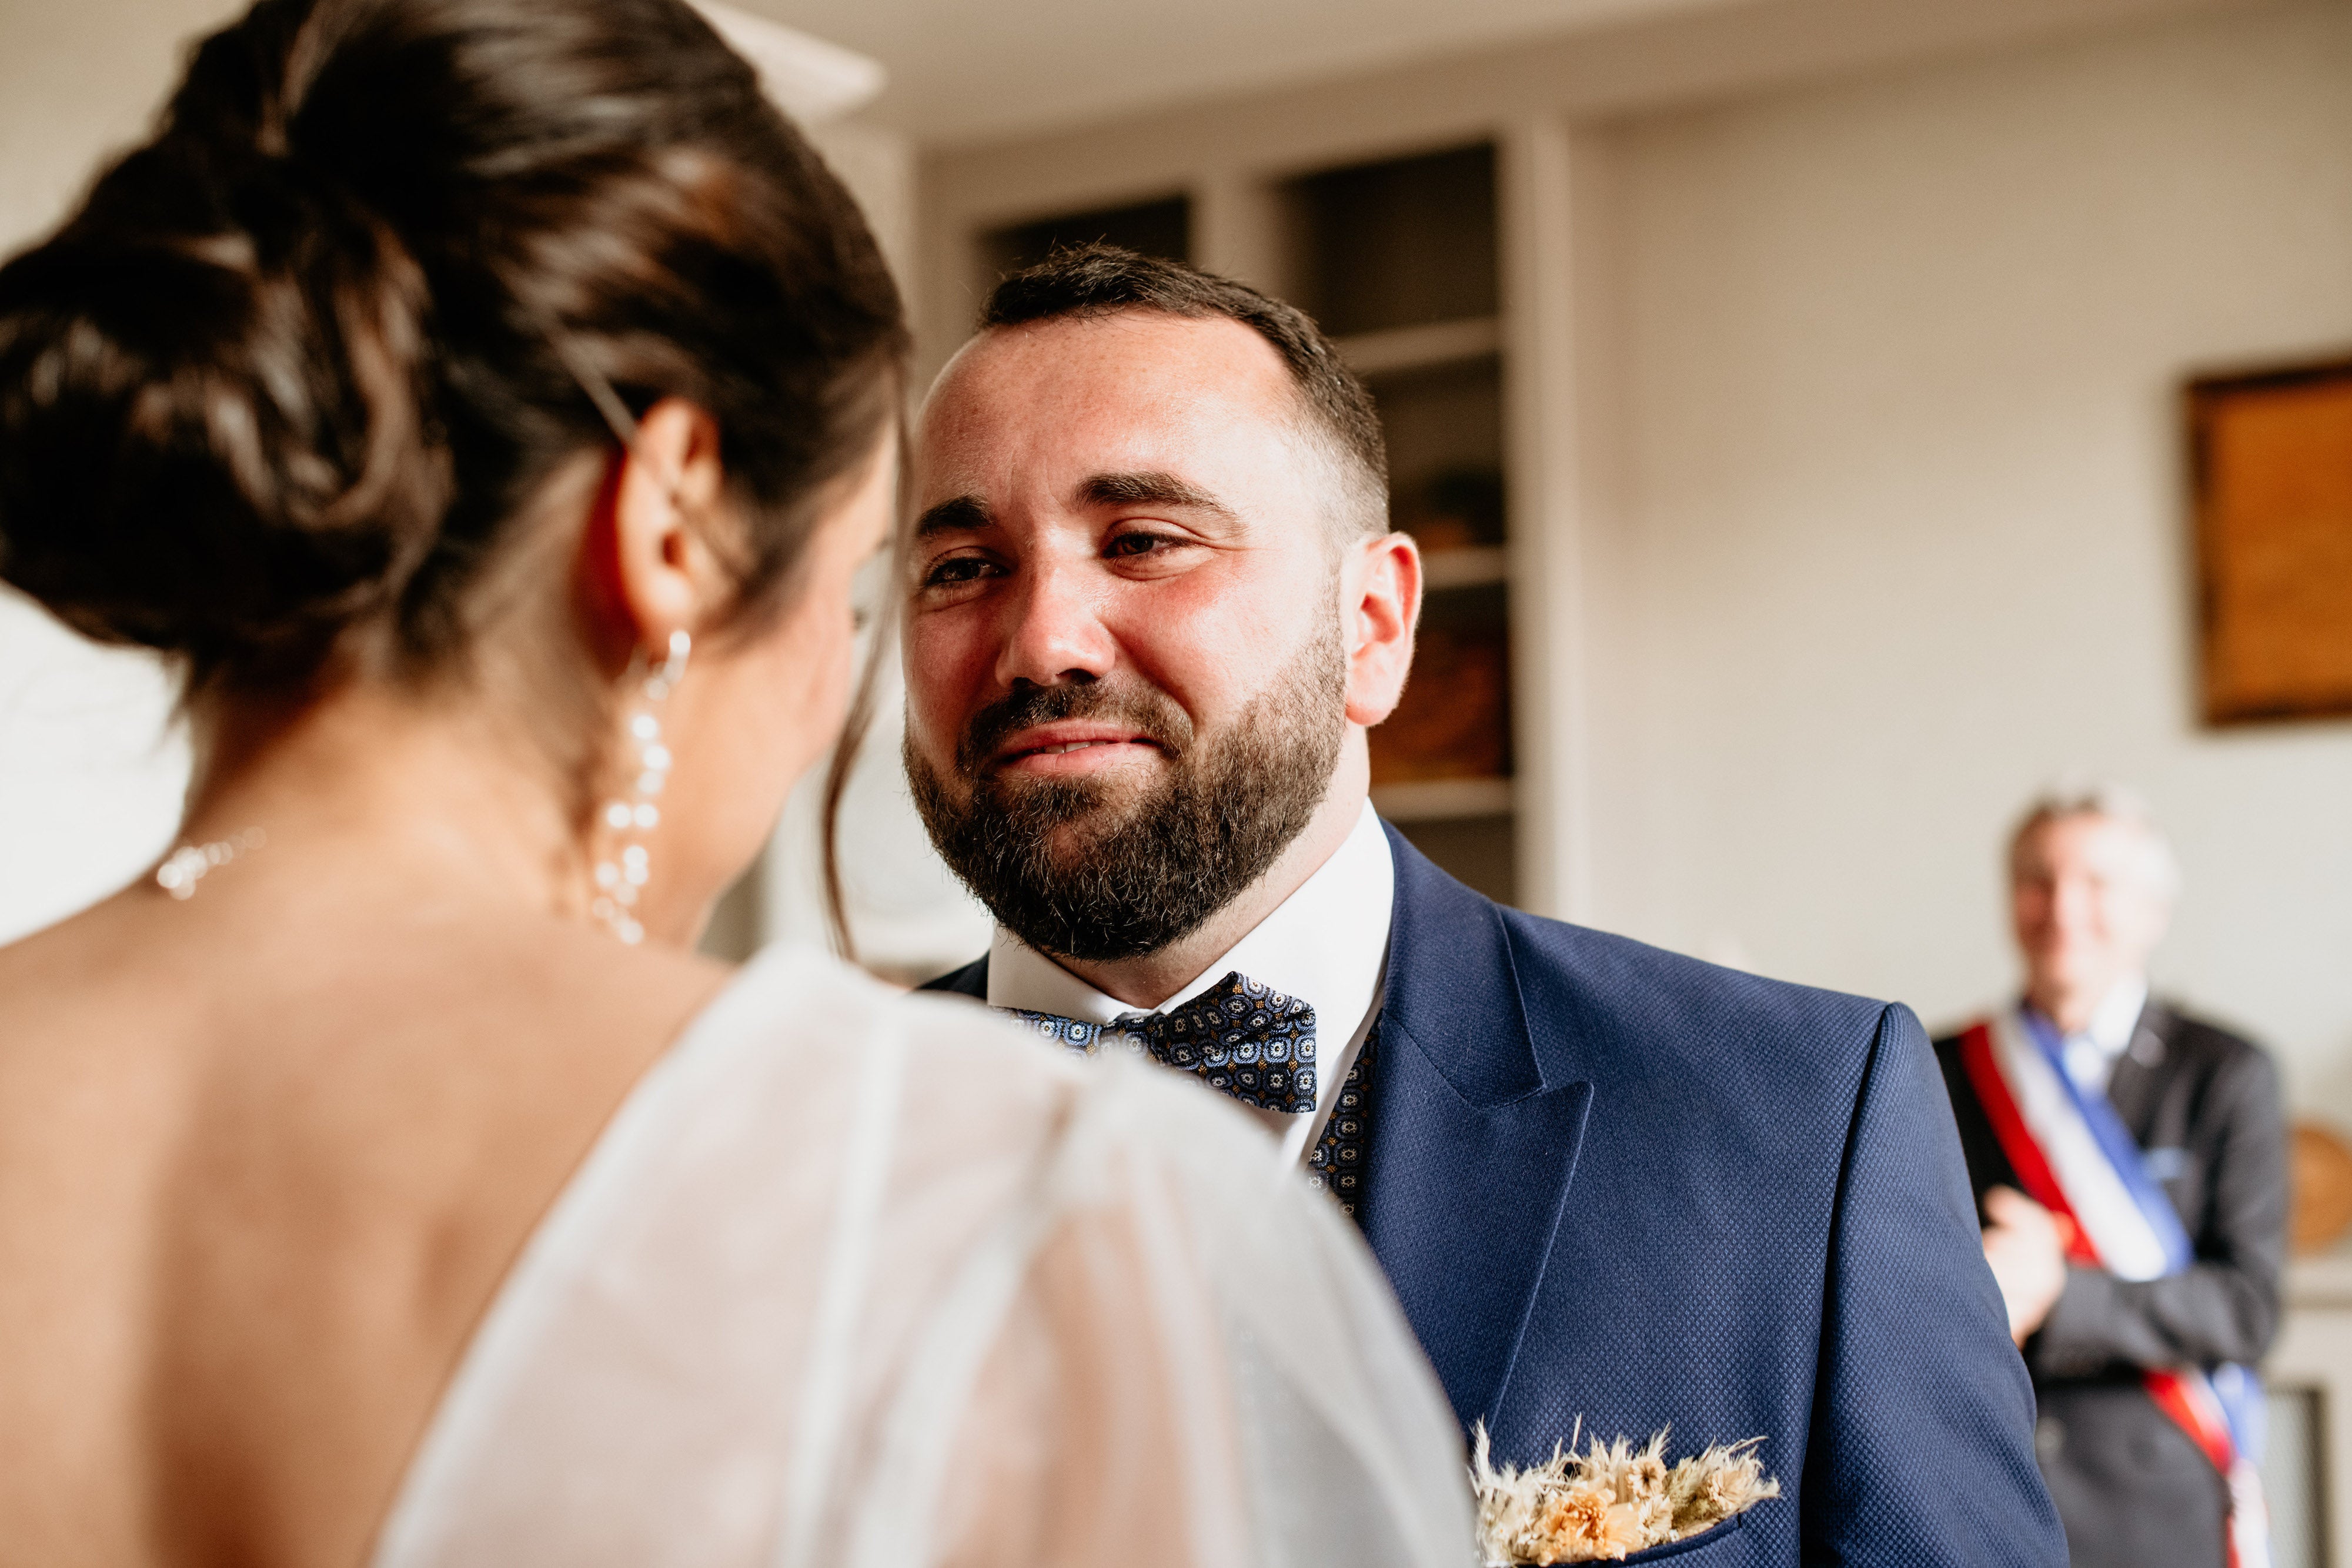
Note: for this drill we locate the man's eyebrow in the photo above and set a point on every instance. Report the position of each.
(962, 515)
(1149, 488)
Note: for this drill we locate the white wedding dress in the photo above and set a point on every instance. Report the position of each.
(860, 1280)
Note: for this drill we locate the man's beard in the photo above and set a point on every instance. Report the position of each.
(1072, 873)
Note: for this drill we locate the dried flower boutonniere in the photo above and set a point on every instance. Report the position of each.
(1607, 1501)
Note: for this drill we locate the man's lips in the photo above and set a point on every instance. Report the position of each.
(1070, 748)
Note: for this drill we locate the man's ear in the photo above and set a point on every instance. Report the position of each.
(1382, 579)
(648, 569)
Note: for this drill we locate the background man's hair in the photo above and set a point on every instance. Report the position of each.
(1089, 280)
(2111, 802)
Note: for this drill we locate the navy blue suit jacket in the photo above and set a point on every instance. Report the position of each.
(1618, 1187)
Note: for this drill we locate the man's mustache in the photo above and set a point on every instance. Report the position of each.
(1152, 714)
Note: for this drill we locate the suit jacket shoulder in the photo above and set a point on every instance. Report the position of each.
(2169, 1042)
(1666, 1013)
(971, 981)
(2188, 1046)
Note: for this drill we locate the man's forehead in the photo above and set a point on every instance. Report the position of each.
(1099, 370)
(2087, 838)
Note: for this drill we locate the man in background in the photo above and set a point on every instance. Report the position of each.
(2129, 1165)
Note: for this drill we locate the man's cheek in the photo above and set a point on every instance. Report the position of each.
(934, 741)
(948, 647)
(926, 675)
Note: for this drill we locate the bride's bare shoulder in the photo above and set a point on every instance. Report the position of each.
(281, 961)
(73, 977)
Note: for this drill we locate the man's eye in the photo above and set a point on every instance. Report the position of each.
(955, 572)
(1137, 544)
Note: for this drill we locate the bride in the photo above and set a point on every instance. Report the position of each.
(484, 403)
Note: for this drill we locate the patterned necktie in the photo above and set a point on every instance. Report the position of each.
(1252, 1042)
(1336, 1162)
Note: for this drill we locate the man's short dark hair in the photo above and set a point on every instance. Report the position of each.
(1088, 280)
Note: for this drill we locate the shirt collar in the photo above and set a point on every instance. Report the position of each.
(1326, 944)
(2118, 1015)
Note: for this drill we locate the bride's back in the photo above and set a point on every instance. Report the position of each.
(484, 405)
(261, 1166)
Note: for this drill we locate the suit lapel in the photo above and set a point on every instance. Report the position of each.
(2140, 1073)
(1472, 1152)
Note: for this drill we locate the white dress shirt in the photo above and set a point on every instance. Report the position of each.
(1326, 944)
(2090, 1055)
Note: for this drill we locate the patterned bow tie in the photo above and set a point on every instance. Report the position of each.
(1249, 1040)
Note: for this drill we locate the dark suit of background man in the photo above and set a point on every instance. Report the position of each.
(1153, 605)
(2092, 889)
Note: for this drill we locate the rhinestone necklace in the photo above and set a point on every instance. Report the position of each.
(188, 864)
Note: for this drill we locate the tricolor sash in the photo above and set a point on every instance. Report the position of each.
(2074, 1157)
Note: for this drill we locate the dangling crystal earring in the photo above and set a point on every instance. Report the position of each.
(621, 878)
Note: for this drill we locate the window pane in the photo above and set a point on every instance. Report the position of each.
(1397, 243)
(1162, 228)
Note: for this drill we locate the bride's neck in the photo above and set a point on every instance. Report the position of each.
(434, 791)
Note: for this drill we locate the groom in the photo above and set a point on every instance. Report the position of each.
(1154, 604)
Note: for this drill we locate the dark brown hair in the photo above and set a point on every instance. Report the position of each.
(1080, 281)
(274, 395)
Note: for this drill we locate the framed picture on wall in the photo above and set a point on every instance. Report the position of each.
(2271, 466)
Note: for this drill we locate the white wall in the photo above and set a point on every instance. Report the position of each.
(90, 775)
(908, 917)
(1905, 531)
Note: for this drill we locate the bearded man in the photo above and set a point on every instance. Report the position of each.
(2131, 1162)
(1154, 604)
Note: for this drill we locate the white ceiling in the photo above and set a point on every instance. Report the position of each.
(960, 71)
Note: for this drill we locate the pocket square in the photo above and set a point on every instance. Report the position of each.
(1609, 1500)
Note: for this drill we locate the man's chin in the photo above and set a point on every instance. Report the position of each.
(1072, 843)
(1088, 806)
(2082, 976)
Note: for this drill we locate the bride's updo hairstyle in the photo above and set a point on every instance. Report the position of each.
(276, 399)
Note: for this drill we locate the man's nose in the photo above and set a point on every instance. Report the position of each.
(1055, 632)
(2073, 905)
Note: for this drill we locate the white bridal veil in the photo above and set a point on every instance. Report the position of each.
(858, 1280)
